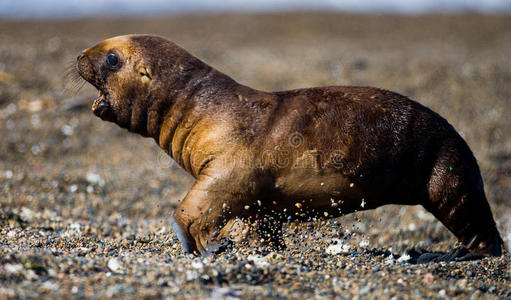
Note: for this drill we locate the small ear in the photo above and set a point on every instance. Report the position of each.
(144, 73)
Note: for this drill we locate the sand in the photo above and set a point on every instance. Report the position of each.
(84, 205)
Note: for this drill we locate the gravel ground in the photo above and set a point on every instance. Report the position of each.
(84, 205)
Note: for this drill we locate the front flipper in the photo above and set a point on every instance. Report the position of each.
(187, 242)
(203, 222)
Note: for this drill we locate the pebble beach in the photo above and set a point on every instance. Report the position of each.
(85, 205)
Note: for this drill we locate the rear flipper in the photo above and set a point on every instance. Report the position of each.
(471, 221)
(460, 254)
(457, 199)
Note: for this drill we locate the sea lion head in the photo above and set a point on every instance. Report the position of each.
(136, 75)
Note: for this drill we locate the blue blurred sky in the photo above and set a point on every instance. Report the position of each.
(82, 8)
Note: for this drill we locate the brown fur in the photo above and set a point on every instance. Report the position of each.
(309, 153)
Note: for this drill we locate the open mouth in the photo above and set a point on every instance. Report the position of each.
(98, 100)
(101, 106)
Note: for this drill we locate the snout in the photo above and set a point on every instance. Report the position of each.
(79, 55)
(84, 67)
(101, 104)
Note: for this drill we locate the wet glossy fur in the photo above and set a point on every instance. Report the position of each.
(319, 152)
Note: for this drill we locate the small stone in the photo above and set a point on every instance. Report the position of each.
(67, 130)
(13, 269)
(27, 214)
(73, 188)
(114, 265)
(364, 243)
(338, 247)
(94, 178)
(442, 293)
(428, 278)
(197, 265)
(49, 285)
(404, 258)
(35, 106)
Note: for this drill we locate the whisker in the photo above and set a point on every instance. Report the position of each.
(73, 82)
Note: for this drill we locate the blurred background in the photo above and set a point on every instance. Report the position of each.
(68, 179)
(77, 8)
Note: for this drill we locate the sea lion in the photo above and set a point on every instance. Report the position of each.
(288, 155)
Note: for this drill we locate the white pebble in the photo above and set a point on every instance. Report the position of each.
(191, 275)
(258, 260)
(90, 189)
(364, 243)
(405, 257)
(72, 230)
(94, 178)
(49, 285)
(27, 214)
(197, 265)
(35, 106)
(36, 149)
(67, 130)
(114, 265)
(337, 248)
(13, 269)
(389, 260)
(75, 227)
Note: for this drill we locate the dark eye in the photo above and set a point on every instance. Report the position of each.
(112, 60)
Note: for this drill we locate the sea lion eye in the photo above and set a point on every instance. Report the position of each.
(112, 60)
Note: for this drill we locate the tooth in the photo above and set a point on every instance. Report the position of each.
(98, 100)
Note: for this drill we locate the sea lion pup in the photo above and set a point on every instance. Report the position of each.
(290, 155)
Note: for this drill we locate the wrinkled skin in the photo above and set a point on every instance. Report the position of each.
(300, 154)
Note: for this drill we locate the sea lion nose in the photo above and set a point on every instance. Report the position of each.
(79, 55)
